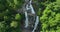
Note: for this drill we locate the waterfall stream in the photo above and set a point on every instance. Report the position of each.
(32, 10)
(36, 23)
(26, 21)
(29, 7)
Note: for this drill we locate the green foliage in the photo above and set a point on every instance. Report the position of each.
(18, 17)
(2, 26)
(15, 3)
(14, 24)
(50, 18)
(49, 12)
(9, 18)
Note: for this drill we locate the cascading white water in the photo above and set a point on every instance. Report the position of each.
(36, 23)
(31, 7)
(32, 10)
(26, 21)
(28, 7)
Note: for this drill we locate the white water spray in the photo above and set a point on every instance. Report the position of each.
(36, 23)
(32, 10)
(26, 21)
(28, 7)
(31, 7)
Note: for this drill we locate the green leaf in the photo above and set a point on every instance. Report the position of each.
(14, 24)
(18, 17)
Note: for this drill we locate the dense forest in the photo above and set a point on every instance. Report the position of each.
(47, 10)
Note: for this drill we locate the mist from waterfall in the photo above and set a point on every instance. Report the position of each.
(36, 23)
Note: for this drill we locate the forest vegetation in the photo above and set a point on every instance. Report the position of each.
(47, 10)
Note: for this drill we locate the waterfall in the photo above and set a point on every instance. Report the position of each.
(31, 7)
(28, 7)
(32, 10)
(26, 21)
(36, 23)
